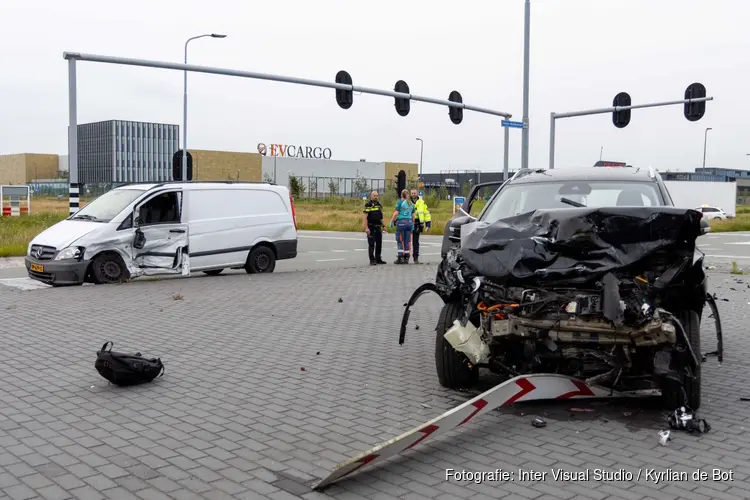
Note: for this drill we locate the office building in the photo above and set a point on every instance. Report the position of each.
(117, 151)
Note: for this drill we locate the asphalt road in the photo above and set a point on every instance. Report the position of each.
(327, 250)
(316, 250)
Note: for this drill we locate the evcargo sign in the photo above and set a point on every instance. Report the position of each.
(293, 151)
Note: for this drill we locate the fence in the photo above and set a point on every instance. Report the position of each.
(60, 189)
(344, 187)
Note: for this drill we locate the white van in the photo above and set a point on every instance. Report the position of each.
(168, 228)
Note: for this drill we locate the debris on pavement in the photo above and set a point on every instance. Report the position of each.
(425, 405)
(416, 327)
(581, 410)
(340, 300)
(664, 436)
(744, 399)
(302, 368)
(685, 420)
(539, 422)
(317, 353)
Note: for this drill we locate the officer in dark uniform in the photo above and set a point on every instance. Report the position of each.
(373, 222)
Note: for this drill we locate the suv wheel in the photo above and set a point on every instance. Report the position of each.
(675, 398)
(454, 370)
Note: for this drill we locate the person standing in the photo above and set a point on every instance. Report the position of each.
(373, 222)
(422, 222)
(403, 217)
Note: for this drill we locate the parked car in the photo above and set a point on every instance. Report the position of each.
(168, 228)
(712, 212)
(591, 273)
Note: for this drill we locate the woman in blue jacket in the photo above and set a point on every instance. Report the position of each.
(403, 217)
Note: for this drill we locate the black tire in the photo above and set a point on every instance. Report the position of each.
(109, 268)
(260, 260)
(213, 272)
(690, 321)
(454, 370)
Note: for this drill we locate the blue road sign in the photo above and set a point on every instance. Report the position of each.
(508, 123)
(459, 200)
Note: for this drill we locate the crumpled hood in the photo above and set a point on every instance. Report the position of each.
(65, 233)
(547, 245)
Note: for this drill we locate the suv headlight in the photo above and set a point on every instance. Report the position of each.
(28, 249)
(70, 253)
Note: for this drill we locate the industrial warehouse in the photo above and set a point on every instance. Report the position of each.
(116, 152)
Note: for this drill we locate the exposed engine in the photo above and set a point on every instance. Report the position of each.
(609, 331)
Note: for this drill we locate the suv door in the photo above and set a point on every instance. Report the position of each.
(160, 239)
(453, 230)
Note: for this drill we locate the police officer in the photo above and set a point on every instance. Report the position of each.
(422, 222)
(373, 222)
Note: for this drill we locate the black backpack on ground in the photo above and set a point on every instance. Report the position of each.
(126, 369)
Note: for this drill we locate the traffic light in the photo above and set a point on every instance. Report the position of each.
(695, 111)
(344, 98)
(621, 118)
(177, 166)
(456, 114)
(400, 183)
(402, 105)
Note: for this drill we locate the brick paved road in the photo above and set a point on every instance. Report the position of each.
(235, 416)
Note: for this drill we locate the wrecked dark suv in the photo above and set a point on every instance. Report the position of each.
(591, 273)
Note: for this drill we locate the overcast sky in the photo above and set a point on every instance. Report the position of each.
(583, 52)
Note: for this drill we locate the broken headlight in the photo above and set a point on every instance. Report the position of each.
(70, 253)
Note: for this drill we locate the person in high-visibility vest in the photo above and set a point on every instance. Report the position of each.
(422, 222)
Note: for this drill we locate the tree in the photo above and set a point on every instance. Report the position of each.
(333, 188)
(295, 186)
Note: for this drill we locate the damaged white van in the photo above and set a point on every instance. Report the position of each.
(168, 228)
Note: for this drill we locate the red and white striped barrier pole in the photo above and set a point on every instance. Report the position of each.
(519, 389)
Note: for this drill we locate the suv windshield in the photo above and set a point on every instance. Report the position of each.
(516, 199)
(107, 206)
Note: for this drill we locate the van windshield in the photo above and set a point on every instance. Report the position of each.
(107, 206)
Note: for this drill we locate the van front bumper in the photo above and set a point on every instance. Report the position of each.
(57, 272)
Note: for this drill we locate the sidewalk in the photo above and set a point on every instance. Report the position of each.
(10, 262)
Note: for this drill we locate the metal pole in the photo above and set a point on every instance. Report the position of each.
(705, 139)
(551, 141)
(506, 152)
(278, 78)
(421, 153)
(601, 153)
(73, 191)
(183, 177)
(525, 130)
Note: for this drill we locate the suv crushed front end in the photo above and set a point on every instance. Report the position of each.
(613, 296)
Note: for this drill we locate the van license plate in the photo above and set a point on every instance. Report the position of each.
(37, 268)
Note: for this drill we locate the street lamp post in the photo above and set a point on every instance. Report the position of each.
(705, 139)
(525, 129)
(421, 151)
(184, 106)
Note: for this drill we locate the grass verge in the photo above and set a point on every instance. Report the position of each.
(338, 214)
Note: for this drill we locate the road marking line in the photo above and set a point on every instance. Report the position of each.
(340, 251)
(743, 257)
(737, 243)
(328, 260)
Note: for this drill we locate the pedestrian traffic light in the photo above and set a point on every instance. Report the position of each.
(177, 166)
(621, 118)
(694, 111)
(456, 114)
(402, 105)
(344, 98)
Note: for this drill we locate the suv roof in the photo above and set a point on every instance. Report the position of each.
(585, 174)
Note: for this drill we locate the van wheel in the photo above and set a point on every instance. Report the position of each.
(213, 272)
(109, 268)
(260, 260)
